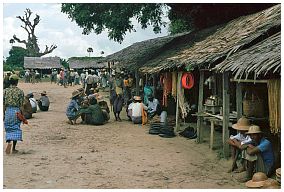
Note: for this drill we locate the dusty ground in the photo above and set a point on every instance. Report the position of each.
(54, 154)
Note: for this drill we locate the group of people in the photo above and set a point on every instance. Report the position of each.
(92, 109)
(253, 148)
(17, 108)
(32, 76)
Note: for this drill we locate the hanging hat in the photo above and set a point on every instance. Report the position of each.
(187, 80)
(257, 181)
(243, 124)
(75, 93)
(14, 77)
(254, 129)
(137, 98)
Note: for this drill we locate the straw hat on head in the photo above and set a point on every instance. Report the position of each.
(43, 93)
(254, 129)
(257, 181)
(75, 93)
(14, 77)
(243, 124)
(137, 98)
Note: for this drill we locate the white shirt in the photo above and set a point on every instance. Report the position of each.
(137, 109)
(152, 105)
(243, 138)
(33, 102)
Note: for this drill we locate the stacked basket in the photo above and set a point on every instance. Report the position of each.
(278, 175)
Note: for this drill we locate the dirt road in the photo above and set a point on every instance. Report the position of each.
(54, 154)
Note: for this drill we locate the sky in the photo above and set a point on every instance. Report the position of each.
(55, 28)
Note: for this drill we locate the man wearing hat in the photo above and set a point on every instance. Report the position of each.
(43, 102)
(136, 108)
(13, 102)
(238, 140)
(72, 111)
(259, 155)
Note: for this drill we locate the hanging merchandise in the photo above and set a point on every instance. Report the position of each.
(167, 87)
(174, 85)
(187, 80)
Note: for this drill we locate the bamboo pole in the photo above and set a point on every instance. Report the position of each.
(199, 138)
(177, 128)
(226, 113)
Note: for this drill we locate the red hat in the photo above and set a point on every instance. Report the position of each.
(187, 80)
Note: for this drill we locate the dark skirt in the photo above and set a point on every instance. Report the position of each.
(118, 103)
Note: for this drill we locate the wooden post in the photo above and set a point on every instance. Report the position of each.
(199, 138)
(177, 128)
(211, 133)
(137, 82)
(239, 100)
(226, 113)
(154, 84)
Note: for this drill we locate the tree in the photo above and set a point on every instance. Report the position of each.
(16, 57)
(89, 50)
(31, 43)
(116, 18)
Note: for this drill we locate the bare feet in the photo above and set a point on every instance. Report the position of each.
(8, 148)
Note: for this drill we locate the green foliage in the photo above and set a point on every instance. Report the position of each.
(16, 58)
(64, 63)
(115, 17)
(178, 26)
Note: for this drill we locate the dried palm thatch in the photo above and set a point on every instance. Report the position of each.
(137, 54)
(258, 60)
(274, 103)
(41, 62)
(228, 39)
(80, 63)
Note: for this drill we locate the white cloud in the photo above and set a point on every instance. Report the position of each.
(56, 28)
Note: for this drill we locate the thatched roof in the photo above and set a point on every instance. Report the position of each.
(41, 62)
(228, 39)
(138, 53)
(258, 60)
(80, 63)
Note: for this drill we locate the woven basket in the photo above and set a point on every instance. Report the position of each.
(253, 107)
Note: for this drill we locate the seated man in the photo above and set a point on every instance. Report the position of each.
(32, 101)
(259, 155)
(43, 102)
(238, 140)
(137, 108)
(72, 111)
(105, 109)
(94, 114)
(153, 106)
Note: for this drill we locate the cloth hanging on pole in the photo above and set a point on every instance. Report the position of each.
(174, 85)
(167, 87)
(180, 91)
(274, 105)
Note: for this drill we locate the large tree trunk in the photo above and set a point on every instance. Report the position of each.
(31, 44)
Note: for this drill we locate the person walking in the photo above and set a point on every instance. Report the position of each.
(13, 101)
